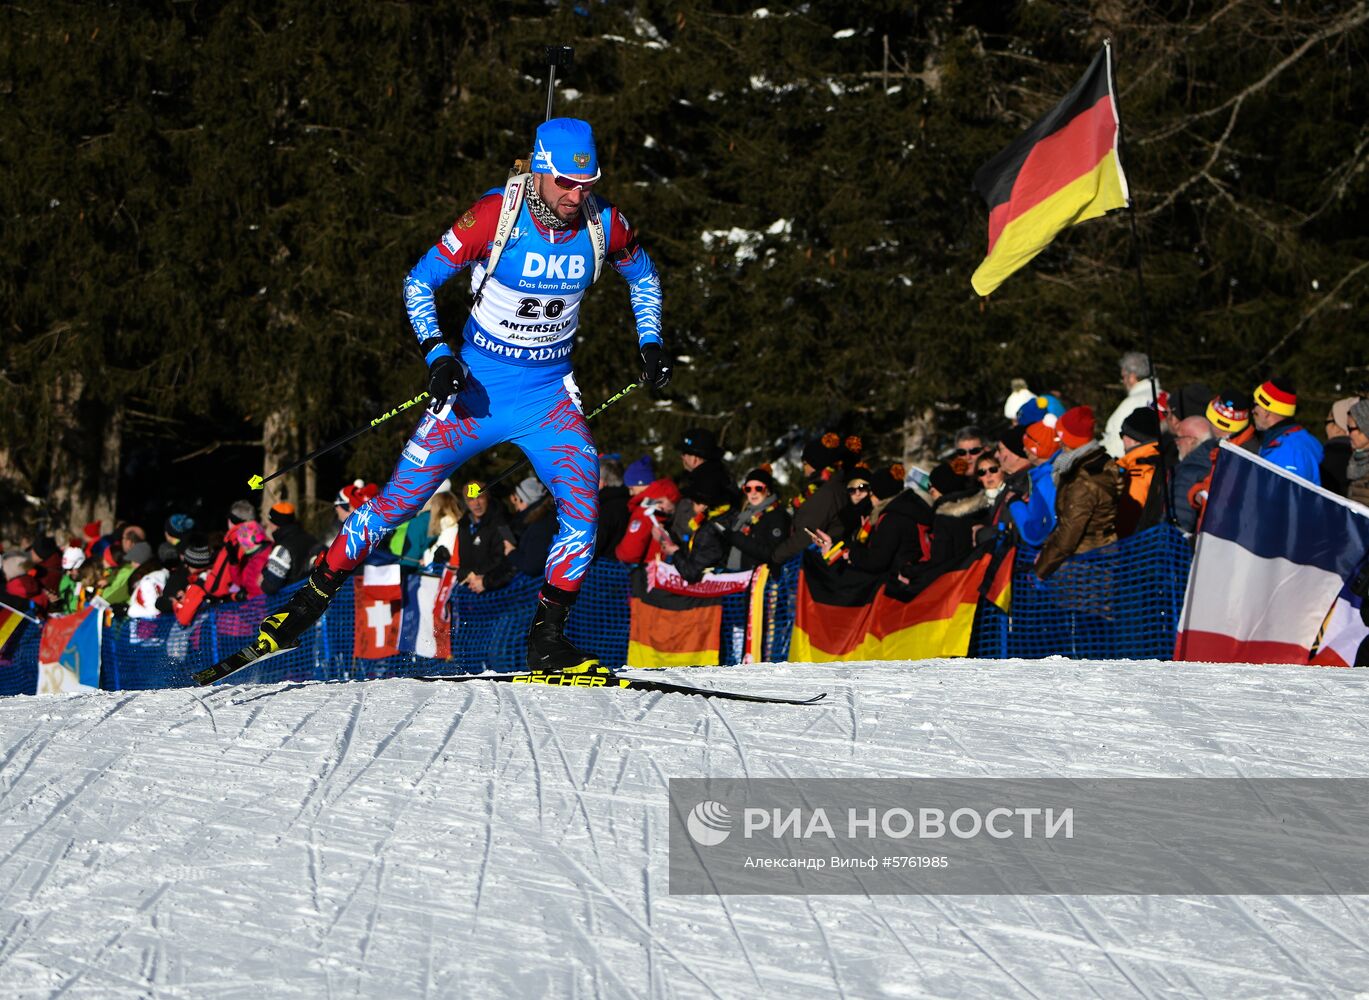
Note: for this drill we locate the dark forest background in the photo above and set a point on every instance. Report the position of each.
(208, 209)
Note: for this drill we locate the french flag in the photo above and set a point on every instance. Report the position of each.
(1273, 556)
(426, 625)
(1342, 642)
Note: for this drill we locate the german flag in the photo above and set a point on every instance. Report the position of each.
(937, 622)
(1064, 170)
(669, 629)
(671, 637)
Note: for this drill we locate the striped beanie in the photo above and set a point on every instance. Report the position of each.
(1229, 411)
(1277, 396)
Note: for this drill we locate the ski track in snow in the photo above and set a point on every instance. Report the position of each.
(395, 838)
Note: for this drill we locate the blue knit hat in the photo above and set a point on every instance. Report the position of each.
(1039, 408)
(565, 146)
(640, 473)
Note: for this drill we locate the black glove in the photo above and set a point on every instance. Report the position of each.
(446, 378)
(655, 366)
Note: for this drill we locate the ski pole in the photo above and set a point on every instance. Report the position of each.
(473, 490)
(257, 482)
(557, 55)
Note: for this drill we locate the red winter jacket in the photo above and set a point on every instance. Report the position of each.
(639, 544)
(28, 588)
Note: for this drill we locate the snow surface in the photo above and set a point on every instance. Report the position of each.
(395, 838)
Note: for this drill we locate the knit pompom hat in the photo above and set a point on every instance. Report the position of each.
(824, 451)
(1075, 428)
(887, 483)
(1040, 408)
(1039, 441)
(1019, 396)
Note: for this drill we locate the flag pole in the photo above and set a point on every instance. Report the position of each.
(28, 617)
(1143, 301)
(1150, 359)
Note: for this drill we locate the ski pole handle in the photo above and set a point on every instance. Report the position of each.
(557, 55)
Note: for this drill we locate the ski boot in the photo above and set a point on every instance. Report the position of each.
(281, 631)
(550, 652)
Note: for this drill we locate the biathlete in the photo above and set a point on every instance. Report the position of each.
(548, 235)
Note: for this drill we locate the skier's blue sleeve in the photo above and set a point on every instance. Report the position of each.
(638, 270)
(464, 244)
(420, 286)
(644, 292)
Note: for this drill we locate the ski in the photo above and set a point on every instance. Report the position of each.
(612, 680)
(255, 652)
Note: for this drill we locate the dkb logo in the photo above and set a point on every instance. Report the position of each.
(709, 823)
(556, 265)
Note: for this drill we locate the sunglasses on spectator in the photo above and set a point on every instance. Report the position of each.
(754, 488)
(988, 470)
(969, 451)
(858, 488)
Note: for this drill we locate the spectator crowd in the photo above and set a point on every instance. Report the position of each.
(1052, 480)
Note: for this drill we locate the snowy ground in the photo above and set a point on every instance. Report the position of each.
(395, 838)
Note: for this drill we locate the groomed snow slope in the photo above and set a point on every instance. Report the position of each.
(395, 838)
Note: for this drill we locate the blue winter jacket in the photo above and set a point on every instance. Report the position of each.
(1035, 516)
(1291, 446)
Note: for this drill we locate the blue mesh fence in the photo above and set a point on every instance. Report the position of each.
(1119, 602)
(19, 672)
(781, 596)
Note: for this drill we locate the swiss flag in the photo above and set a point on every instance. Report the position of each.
(379, 597)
